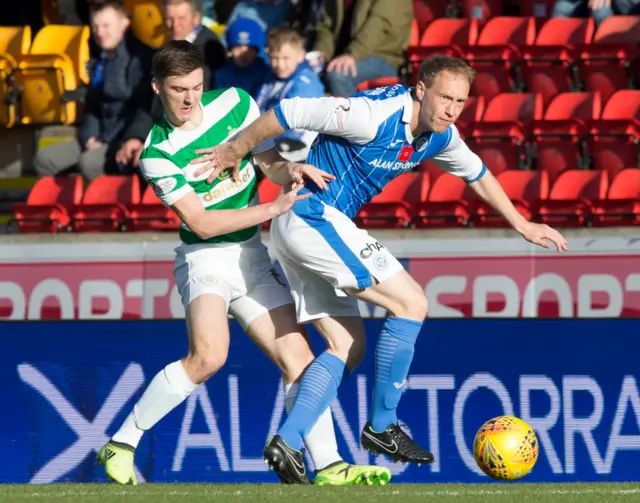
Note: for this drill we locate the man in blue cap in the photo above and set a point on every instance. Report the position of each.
(245, 69)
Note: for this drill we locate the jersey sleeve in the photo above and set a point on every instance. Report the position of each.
(350, 118)
(166, 179)
(456, 158)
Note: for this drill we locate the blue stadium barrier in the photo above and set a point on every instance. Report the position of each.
(66, 387)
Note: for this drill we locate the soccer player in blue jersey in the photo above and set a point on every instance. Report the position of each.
(365, 141)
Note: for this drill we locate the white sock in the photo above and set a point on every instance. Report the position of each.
(168, 389)
(321, 440)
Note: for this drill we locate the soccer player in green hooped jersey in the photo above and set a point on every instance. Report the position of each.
(221, 265)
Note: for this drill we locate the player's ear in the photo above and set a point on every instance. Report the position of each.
(155, 85)
(420, 90)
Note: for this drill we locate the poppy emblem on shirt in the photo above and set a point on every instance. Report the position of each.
(405, 153)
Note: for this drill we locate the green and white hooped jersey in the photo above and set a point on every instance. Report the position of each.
(164, 162)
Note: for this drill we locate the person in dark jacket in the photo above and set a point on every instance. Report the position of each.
(246, 68)
(117, 101)
(183, 21)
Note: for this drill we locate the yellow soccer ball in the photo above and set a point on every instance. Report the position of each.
(505, 448)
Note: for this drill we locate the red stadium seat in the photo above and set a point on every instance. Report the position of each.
(547, 65)
(558, 139)
(379, 82)
(605, 65)
(151, 215)
(48, 205)
(267, 192)
(394, 206)
(446, 204)
(525, 190)
(613, 139)
(414, 39)
(514, 108)
(623, 105)
(499, 139)
(481, 10)
(571, 197)
(496, 56)
(622, 206)
(442, 36)
(426, 11)
(104, 205)
(444, 32)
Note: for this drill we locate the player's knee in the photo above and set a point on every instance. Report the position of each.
(294, 358)
(201, 365)
(411, 303)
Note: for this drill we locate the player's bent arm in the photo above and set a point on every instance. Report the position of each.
(349, 118)
(210, 223)
(489, 189)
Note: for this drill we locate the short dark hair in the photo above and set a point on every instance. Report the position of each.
(96, 6)
(196, 5)
(175, 59)
(431, 67)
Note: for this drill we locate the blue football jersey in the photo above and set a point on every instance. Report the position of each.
(365, 141)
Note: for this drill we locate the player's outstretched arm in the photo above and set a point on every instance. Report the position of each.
(210, 223)
(350, 118)
(489, 189)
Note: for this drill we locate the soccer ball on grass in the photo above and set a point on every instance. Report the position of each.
(505, 448)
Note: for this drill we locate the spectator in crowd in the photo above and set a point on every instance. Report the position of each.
(246, 70)
(182, 19)
(290, 76)
(117, 102)
(361, 40)
(598, 9)
(267, 13)
(303, 17)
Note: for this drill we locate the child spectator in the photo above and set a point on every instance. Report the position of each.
(245, 40)
(290, 76)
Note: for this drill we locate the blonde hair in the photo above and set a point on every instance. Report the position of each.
(279, 36)
(431, 67)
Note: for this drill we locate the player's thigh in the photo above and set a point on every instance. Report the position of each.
(208, 332)
(400, 294)
(206, 290)
(283, 340)
(345, 337)
(266, 312)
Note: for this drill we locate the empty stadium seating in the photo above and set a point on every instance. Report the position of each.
(56, 64)
(49, 205)
(146, 21)
(105, 204)
(150, 215)
(15, 41)
(395, 206)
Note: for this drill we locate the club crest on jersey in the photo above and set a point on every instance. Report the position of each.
(405, 154)
(421, 143)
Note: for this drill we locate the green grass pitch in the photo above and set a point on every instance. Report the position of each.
(393, 493)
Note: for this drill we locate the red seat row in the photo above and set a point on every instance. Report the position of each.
(577, 197)
(110, 203)
(510, 54)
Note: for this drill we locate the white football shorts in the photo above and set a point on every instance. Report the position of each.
(242, 275)
(322, 253)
